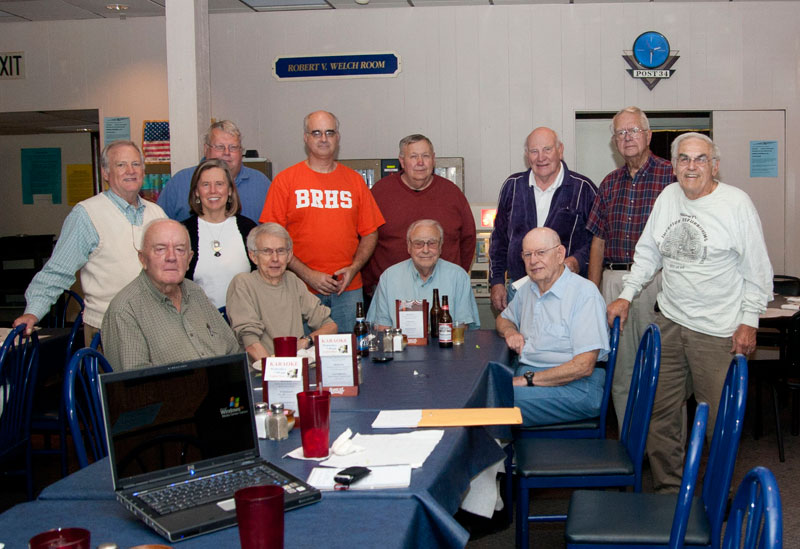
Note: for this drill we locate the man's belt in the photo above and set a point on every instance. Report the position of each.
(618, 266)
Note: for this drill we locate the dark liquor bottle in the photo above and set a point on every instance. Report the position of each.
(435, 311)
(361, 331)
(445, 325)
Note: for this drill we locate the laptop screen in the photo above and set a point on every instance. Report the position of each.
(178, 419)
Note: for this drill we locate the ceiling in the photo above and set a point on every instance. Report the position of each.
(36, 122)
(60, 10)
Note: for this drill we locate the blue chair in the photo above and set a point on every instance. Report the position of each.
(51, 421)
(19, 362)
(611, 523)
(586, 428)
(756, 512)
(595, 510)
(580, 463)
(97, 342)
(82, 404)
(224, 312)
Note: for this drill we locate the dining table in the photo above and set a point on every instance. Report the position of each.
(476, 374)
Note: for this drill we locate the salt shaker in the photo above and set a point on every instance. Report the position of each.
(397, 340)
(261, 419)
(277, 424)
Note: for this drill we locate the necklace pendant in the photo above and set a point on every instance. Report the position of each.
(217, 254)
(216, 246)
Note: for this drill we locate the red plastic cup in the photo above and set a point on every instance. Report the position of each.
(259, 511)
(315, 422)
(61, 538)
(285, 346)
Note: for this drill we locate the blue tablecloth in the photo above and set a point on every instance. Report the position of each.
(450, 378)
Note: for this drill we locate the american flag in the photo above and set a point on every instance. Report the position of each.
(155, 143)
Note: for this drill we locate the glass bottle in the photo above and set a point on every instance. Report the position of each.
(361, 332)
(435, 312)
(277, 424)
(445, 325)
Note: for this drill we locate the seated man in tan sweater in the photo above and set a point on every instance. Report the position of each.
(271, 302)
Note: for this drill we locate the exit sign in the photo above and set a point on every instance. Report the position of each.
(12, 65)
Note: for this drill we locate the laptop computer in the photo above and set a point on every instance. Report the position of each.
(181, 439)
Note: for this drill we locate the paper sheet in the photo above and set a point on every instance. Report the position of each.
(392, 476)
(397, 419)
(776, 313)
(401, 449)
(447, 417)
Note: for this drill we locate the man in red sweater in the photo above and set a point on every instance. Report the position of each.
(417, 193)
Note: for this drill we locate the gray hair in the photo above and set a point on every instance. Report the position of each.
(272, 229)
(225, 126)
(643, 121)
(692, 135)
(428, 222)
(414, 138)
(306, 117)
(113, 145)
(163, 220)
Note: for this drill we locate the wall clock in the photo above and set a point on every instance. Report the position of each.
(651, 49)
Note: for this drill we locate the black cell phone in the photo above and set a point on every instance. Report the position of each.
(351, 475)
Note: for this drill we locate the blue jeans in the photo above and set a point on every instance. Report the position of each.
(579, 399)
(343, 308)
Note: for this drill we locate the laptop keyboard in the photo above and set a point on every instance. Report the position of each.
(216, 487)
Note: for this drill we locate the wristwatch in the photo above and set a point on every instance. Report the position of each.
(308, 338)
(529, 378)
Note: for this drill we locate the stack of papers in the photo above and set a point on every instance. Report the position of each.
(392, 476)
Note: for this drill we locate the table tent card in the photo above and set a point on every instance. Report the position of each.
(412, 318)
(284, 377)
(337, 364)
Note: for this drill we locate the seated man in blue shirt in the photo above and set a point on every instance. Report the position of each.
(556, 324)
(416, 278)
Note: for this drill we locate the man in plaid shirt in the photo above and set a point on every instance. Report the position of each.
(618, 216)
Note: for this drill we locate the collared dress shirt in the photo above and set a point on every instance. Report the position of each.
(623, 205)
(142, 327)
(403, 281)
(565, 321)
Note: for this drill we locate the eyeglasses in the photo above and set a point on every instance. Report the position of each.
(233, 149)
(280, 252)
(538, 253)
(633, 132)
(702, 160)
(124, 165)
(425, 157)
(317, 134)
(420, 244)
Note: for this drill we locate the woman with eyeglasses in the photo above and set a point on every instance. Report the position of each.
(272, 302)
(217, 231)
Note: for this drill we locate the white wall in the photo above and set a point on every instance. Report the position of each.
(476, 80)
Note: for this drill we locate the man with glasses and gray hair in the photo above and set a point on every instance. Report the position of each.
(417, 277)
(616, 221)
(224, 141)
(556, 323)
(706, 238)
(270, 302)
(332, 218)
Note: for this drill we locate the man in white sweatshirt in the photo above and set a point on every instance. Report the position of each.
(706, 238)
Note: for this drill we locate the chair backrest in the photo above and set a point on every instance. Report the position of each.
(57, 317)
(19, 362)
(82, 404)
(610, 367)
(724, 446)
(786, 285)
(96, 342)
(756, 512)
(224, 312)
(691, 466)
(633, 434)
(76, 324)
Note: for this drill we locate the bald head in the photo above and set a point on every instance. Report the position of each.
(543, 256)
(543, 154)
(165, 254)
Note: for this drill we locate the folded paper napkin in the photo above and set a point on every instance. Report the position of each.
(342, 446)
(793, 299)
(791, 306)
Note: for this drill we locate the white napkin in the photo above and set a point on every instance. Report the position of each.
(791, 306)
(342, 446)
